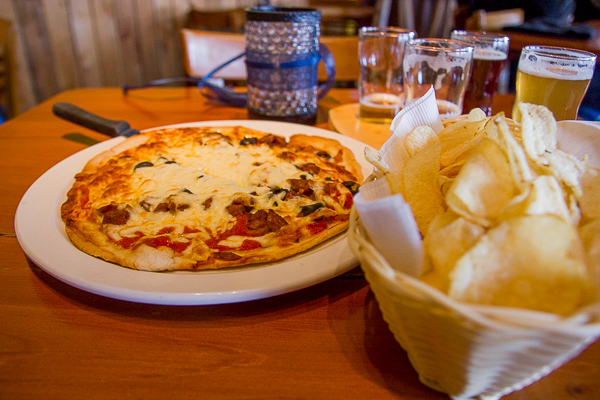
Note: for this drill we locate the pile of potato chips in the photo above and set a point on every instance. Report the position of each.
(507, 218)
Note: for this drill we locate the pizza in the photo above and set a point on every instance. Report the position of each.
(196, 198)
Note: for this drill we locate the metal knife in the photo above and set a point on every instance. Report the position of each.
(79, 116)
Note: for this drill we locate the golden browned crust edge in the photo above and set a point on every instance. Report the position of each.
(129, 143)
(332, 147)
(268, 254)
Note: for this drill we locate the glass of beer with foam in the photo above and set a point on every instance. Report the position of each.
(489, 59)
(380, 51)
(554, 77)
(442, 63)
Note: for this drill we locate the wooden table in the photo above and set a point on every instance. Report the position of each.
(325, 342)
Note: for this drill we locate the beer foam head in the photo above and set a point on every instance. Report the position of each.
(565, 73)
(556, 64)
(489, 54)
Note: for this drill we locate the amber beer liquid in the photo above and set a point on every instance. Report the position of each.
(487, 66)
(379, 107)
(559, 90)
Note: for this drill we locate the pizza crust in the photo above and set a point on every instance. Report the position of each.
(333, 147)
(129, 143)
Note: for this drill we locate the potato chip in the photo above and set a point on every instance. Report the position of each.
(452, 120)
(420, 186)
(476, 114)
(539, 133)
(445, 245)
(462, 128)
(393, 178)
(375, 161)
(451, 171)
(499, 207)
(543, 197)
(419, 138)
(459, 139)
(441, 220)
(574, 209)
(589, 201)
(590, 236)
(567, 168)
(457, 149)
(535, 262)
(445, 184)
(484, 185)
(521, 170)
(491, 131)
(539, 130)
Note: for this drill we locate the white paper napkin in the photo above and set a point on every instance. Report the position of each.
(423, 111)
(387, 218)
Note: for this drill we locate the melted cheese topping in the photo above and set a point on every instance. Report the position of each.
(190, 176)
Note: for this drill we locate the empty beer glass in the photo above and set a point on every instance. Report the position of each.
(554, 77)
(489, 58)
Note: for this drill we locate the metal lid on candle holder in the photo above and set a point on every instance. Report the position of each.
(283, 14)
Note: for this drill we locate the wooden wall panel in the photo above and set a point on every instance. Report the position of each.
(22, 86)
(169, 57)
(84, 43)
(110, 57)
(65, 44)
(63, 56)
(128, 40)
(38, 51)
(145, 31)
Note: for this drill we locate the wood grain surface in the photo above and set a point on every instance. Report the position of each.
(328, 341)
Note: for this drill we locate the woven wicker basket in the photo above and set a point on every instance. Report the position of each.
(469, 351)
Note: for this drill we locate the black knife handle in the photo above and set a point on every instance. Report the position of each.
(79, 116)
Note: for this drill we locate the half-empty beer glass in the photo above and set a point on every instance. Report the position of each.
(554, 77)
(441, 63)
(380, 51)
(489, 58)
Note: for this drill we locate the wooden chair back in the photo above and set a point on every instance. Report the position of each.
(8, 78)
(345, 54)
(231, 20)
(205, 50)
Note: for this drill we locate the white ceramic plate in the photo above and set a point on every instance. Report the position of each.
(41, 234)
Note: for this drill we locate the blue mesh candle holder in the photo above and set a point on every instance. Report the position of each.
(282, 54)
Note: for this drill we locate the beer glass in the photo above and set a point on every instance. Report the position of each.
(489, 58)
(441, 63)
(380, 86)
(554, 77)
